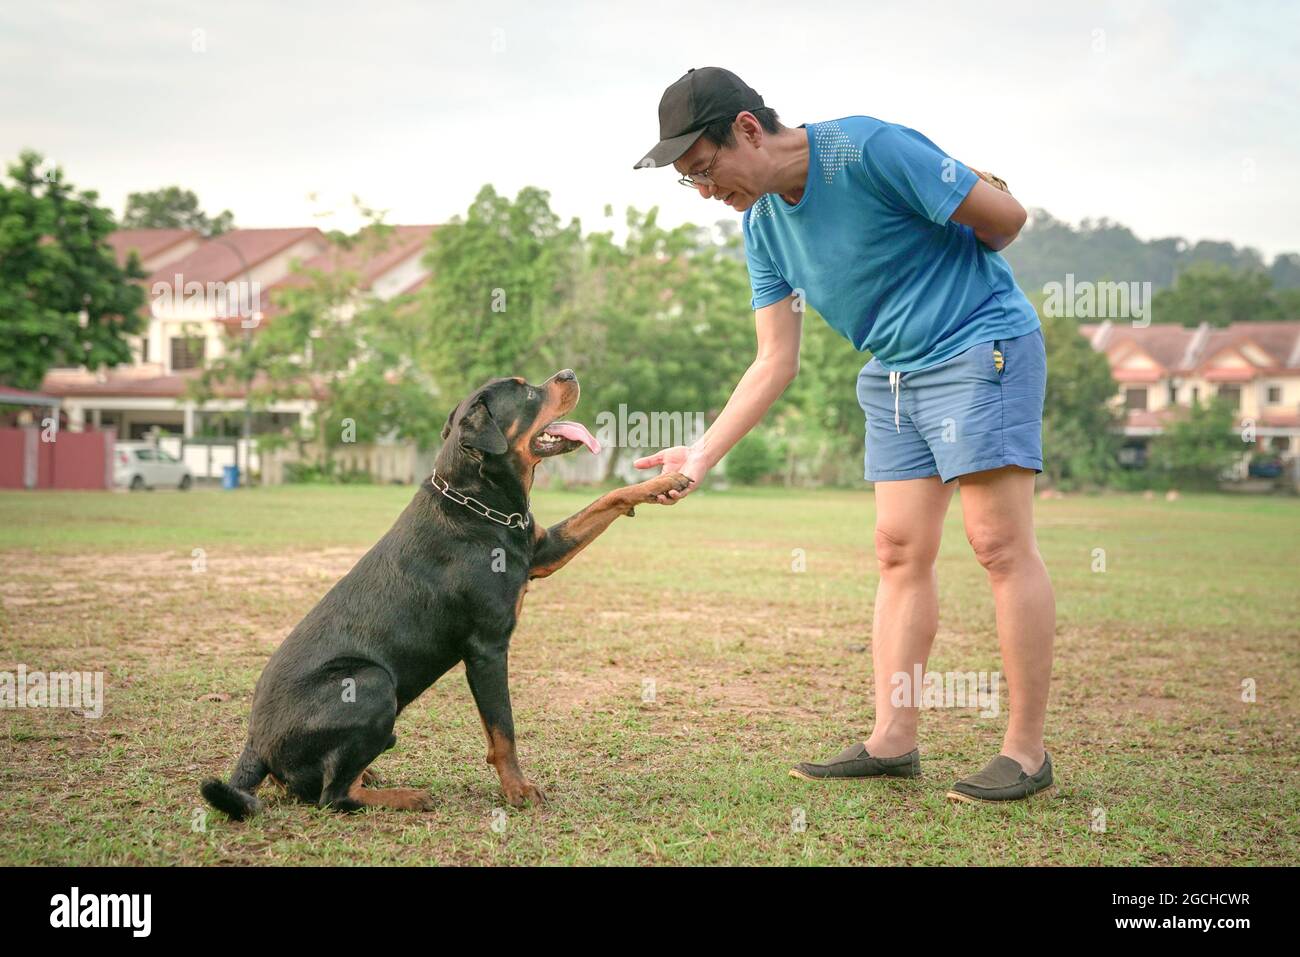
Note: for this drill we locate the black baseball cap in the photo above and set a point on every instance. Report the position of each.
(699, 98)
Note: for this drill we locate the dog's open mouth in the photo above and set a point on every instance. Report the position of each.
(562, 436)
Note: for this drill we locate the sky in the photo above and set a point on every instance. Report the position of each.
(1172, 118)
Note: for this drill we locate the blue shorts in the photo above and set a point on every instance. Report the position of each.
(963, 415)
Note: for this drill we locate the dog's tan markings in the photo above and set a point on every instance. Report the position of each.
(518, 790)
(519, 602)
(397, 799)
(553, 408)
(565, 540)
(491, 755)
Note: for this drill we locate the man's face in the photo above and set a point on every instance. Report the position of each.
(733, 177)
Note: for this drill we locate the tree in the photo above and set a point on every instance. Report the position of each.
(660, 325)
(1194, 450)
(173, 208)
(63, 298)
(1099, 250)
(752, 459)
(1285, 271)
(501, 277)
(1217, 294)
(657, 328)
(1079, 439)
(819, 416)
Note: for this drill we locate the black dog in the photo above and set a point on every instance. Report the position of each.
(445, 585)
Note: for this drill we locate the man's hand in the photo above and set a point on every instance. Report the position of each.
(992, 180)
(679, 458)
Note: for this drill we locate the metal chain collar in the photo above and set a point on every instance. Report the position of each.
(474, 505)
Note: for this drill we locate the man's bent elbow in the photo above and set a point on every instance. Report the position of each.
(785, 372)
(1005, 239)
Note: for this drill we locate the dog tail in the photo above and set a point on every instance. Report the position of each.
(235, 797)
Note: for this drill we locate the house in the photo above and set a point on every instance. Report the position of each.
(198, 290)
(1160, 368)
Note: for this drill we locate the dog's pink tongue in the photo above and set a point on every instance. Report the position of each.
(575, 431)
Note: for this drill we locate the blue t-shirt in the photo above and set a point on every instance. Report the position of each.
(871, 246)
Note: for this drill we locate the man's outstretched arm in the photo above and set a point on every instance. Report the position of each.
(779, 328)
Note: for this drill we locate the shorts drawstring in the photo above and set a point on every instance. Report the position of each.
(895, 384)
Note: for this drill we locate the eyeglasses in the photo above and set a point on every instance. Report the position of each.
(702, 178)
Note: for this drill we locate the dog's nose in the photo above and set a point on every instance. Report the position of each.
(566, 375)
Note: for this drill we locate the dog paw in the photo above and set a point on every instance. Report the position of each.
(369, 779)
(421, 801)
(524, 793)
(403, 799)
(663, 484)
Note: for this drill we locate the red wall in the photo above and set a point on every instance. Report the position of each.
(12, 444)
(74, 460)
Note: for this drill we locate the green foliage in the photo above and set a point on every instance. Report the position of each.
(660, 324)
(173, 208)
(504, 279)
(63, 298)
(1219, 295)
(1193, 451)
(1102, 249)
(1079, 441)
(819, 415)
(326, 472)
(752, 459)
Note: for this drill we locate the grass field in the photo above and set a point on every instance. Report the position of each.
(754, 666)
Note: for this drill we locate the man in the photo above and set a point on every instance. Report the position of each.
(894, 243)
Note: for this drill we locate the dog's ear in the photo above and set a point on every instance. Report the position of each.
(478, 430)
(446, 429)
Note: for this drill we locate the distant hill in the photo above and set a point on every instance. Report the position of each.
(1096, 250)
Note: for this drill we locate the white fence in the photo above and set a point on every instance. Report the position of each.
(206, 458)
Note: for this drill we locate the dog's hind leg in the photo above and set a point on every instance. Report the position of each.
(356, 796)
(340, 773)
(368, 734)
(369, 778)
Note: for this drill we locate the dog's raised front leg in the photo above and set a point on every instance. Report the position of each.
(564, 540)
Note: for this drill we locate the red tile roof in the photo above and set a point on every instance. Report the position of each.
(147, 242)
(1185, 351)
(217, 261)
(367, 260)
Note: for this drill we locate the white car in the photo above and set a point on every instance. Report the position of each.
(139, 465)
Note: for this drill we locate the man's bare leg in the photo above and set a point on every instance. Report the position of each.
(909, 526)
(998, 511)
